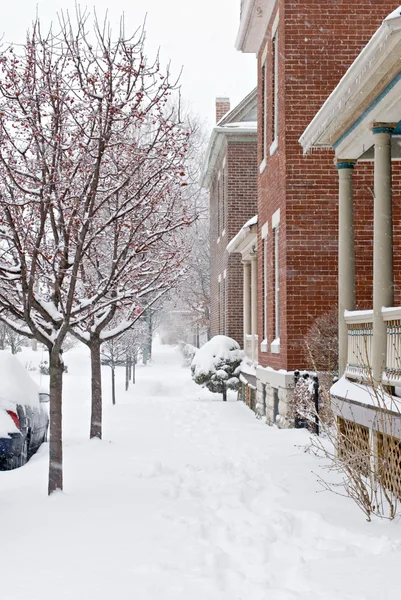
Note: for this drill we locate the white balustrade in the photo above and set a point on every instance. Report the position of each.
(360, 343)
(392, 317)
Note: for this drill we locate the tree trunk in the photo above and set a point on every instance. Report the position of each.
(225, 394)
(34, 345)
(133, 369)
(127, 377)
(56, 431)
(113, 385)
(96, 389)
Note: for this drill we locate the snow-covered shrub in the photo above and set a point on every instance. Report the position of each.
(216, 365)
(188, 352)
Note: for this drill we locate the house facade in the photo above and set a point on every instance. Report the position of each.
(303, 49)
(361, 122)
(230, 175)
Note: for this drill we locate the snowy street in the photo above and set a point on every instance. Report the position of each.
(186, 497)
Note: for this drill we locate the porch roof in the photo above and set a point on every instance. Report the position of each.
(246, 238)
(369, 92)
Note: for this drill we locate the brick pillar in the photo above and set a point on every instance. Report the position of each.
(222, 108)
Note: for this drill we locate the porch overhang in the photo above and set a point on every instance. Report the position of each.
(369, 92)
(246, 239)
(255, 16)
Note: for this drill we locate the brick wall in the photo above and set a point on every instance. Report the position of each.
(317, 43)
(241, 204)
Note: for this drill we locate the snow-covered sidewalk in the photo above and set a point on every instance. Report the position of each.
(186, 497)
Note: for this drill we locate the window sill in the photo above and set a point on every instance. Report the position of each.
(262, 166)
(274, 147)
(275, 346)
(264, 347)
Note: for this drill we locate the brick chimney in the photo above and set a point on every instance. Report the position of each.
(222, 108)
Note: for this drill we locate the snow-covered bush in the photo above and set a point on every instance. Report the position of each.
(216, 365)
(188, 352)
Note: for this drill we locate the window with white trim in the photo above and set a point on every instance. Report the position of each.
(223, 195)
(263, 119)
(219, 303)
(218, 206)
(275, 345)
(276, 283)
(224, 304)
(274, 93)
(264, 235)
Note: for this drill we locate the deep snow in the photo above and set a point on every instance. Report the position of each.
(186, 497)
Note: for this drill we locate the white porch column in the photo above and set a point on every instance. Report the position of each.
(383, 286)
(247, 299)
(346, 256)
(254, 304)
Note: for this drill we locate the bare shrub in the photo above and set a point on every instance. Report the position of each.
(367, 461)
(321, 343)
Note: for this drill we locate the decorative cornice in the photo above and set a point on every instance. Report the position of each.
(255, 16)
(345, 164)
(383, 127)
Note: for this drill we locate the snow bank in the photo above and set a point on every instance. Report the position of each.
(16, 385)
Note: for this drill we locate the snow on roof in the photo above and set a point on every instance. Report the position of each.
(220, 347)
(241, 235)
(240, 125)
(16, 386)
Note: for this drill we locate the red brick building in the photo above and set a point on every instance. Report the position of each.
(230, 175)
(361, 122)
(303, 48)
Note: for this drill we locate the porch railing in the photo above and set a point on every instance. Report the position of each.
(392, 318)
(360, 342)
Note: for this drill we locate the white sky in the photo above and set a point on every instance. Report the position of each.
(198, 35)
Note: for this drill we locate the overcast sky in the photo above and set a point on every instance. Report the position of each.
(198, 35)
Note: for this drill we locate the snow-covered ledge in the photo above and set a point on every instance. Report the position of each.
(392, 313)
(353, 317)
(275, 346)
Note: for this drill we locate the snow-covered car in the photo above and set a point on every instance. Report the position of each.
(24, 415)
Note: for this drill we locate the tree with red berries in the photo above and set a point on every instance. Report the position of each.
(90, 137)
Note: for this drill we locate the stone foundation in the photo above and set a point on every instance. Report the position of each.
(273, 391)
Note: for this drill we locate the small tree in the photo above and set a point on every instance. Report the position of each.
(216, 365)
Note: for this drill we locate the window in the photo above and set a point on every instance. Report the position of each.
(274, 94)
(264, 233)
(218, 206)
(219, 304)
(275, 345)
(263, 117)
(224, 304)
(223, 196)
(276, 284)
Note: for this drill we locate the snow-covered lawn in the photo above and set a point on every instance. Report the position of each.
(186, 498)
